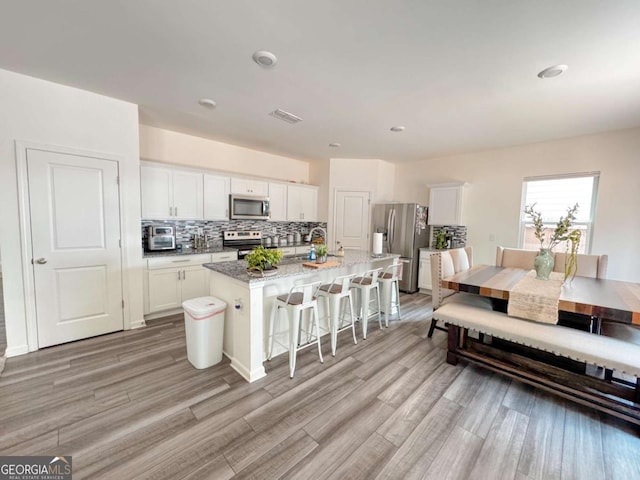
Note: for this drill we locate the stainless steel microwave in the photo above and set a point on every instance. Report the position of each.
(248, 207)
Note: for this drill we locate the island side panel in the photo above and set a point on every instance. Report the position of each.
(243, 332)
(250, 302)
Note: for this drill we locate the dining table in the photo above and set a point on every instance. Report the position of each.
(565, 362)
(602, 299)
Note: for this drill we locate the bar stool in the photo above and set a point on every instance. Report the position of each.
(335, 293)
(390, 284)
(365, 283)
(294, 303)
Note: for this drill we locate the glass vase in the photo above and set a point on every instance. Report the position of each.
(544, 264)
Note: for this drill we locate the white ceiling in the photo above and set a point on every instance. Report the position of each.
(459, 74)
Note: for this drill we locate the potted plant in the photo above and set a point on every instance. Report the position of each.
(544, 261)
(262, 260)
(321, 253)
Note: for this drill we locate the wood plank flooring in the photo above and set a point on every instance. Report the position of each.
(129, 405)
(3, 327)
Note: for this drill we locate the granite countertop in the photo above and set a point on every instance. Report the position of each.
(192, 251)
(186, 251)
(292, 266)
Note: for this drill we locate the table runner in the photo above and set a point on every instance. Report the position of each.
(534, 299)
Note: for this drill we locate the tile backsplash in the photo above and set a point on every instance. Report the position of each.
(185, 229)
(458, 234)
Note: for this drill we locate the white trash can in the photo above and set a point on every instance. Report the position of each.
(204, 330)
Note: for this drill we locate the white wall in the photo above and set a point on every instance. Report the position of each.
(180, 149)
(319, 174)
(492, 198)
(359, 174)
(42, 112)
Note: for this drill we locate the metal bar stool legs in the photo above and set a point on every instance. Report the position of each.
(300, 298)
(364, 284)
(336, 293)
(390, 285)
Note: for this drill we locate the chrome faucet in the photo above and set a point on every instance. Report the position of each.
(324, 234)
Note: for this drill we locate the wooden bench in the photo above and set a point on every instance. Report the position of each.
(550, 357)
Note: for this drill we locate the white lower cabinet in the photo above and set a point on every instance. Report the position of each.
(172, 280)
(424, 272)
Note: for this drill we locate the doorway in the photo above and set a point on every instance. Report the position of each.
(351, 219)
(75, 244)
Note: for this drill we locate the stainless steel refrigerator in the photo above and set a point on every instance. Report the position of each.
(405, 231)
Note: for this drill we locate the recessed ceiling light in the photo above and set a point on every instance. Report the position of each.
(334, 144)
(207, 102)
(398, 128)
(265, 59)
(552, 71)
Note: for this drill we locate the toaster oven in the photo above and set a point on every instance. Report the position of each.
(161, 237)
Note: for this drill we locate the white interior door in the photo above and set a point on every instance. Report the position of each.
(75, 230)
(351, 213)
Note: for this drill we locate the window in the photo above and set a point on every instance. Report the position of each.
(552, 196)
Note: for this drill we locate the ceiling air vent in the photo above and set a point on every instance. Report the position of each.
(285, 116)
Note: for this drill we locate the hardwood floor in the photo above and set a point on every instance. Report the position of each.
(129, 405)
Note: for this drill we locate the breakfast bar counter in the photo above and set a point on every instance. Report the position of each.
(250, 300)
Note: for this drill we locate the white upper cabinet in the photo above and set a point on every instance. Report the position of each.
(187, 195)
(155, 192)
(278, 201)
(302, 203)
(247, 186)
(216, 197)
(445, 204)
(170, 194)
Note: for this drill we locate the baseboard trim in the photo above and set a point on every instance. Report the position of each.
(249, 376)
(139, 324)
(17, 350)
(164, 313)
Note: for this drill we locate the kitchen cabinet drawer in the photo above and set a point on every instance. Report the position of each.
(177, 261)
(224, 257)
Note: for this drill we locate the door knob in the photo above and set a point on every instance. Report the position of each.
(41, 261)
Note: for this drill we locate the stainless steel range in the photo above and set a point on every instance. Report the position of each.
(244, 241)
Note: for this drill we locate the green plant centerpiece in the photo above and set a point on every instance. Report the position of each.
(261, 260)
(544, 262)
(571, 257)
(321, 253)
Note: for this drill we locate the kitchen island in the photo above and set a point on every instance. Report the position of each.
(250, 300)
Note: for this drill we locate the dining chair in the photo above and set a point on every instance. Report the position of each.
(516, 258)
(593, 266)
(445, 264)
